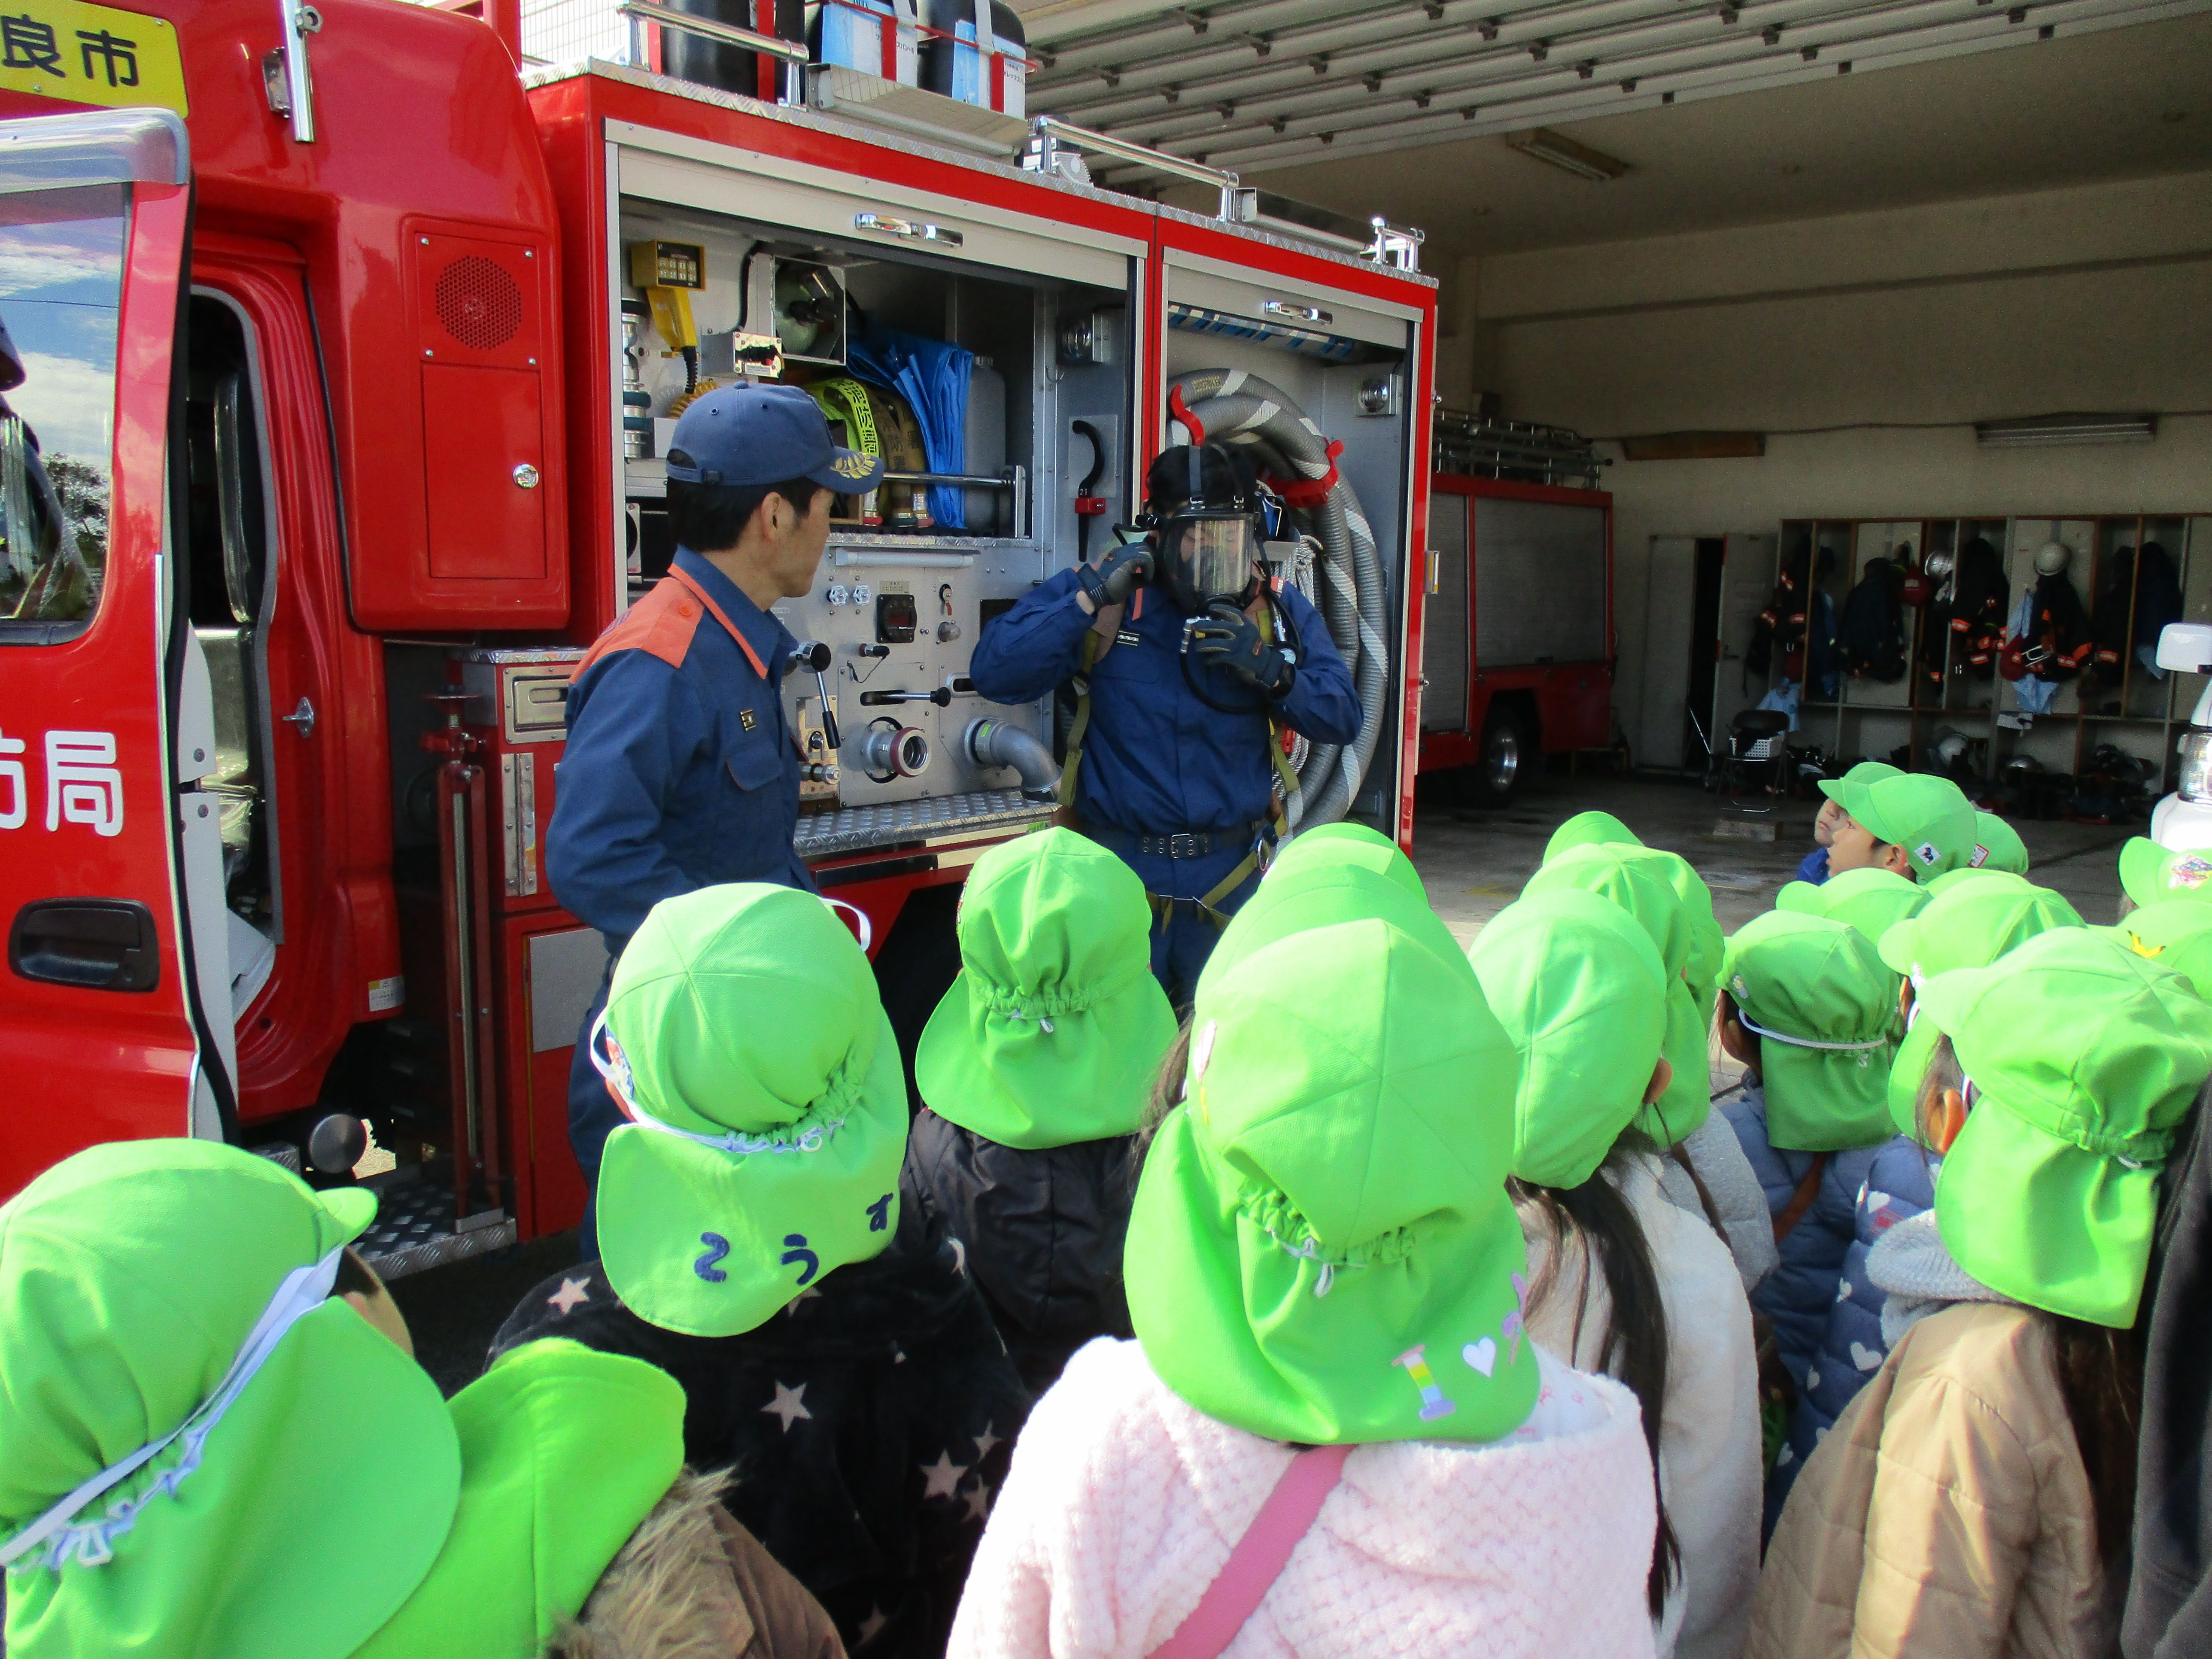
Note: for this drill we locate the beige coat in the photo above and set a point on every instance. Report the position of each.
(1946, 1515)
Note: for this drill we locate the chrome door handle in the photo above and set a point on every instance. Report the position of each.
(915, 230)
(303, 717)
(1303, 314)
(525, 476)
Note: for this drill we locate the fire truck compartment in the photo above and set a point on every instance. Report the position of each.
(945, 358)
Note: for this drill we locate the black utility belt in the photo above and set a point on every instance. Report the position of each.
(1182, 844)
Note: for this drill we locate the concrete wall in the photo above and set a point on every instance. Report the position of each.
(1902, 327)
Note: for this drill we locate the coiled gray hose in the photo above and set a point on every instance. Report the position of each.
(1235, 407)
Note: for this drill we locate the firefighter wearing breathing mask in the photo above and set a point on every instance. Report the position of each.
(1187, 664)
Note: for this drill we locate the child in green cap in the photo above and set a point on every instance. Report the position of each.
(1913, 825)
(1977, 1497)
(830, 1348)
(1814, 869)
(244, 1459)
(1706, 1173)
(1810, 1010)
(1037, 1067)
(1622, 1280)
(1323, 1256)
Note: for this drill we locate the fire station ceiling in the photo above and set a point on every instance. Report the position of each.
(1417, 100)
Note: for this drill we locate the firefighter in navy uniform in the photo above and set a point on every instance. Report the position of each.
(681, 771)
(1187, 664)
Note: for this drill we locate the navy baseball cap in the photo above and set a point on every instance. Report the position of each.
(763, 435)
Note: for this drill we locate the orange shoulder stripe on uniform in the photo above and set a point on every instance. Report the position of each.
(660, 624)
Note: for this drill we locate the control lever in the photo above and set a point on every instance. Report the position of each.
(812, 657)
(1088, 506)
(942, 697)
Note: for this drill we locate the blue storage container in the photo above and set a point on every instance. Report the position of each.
(950, 63)
(877, 37)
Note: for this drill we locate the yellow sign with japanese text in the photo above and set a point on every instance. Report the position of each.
(87, 54)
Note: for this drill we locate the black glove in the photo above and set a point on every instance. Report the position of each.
(1228, 638)
(1120, 574)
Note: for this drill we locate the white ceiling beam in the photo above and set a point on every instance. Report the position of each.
(1407, 131)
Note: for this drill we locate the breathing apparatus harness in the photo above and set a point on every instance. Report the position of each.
(1207, 557)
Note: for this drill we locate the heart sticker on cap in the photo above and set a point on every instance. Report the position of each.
(1481, 1356)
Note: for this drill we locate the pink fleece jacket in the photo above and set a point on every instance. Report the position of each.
(1123, 1502)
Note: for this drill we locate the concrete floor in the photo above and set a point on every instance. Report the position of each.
(1473, 863)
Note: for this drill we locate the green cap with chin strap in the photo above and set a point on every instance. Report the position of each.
(1577, 986)
(1929, 817)
(2150, 873)
(564, 1452)
(1997, 845)
(1969, 924)
(1823, 1009)
(205, 1451)
(1321, 1249)
(2176, 934)
(1872, 901)
(1055, 1025)
(2081, 1059)
(1650, 885)
(1337, 873)
(1702, 963)
(767, 1109)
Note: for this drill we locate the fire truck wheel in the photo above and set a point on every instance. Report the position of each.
(1509, 755)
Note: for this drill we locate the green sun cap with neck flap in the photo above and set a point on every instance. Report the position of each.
(180, 1291)
(1578, 987)
(1702, 962)
(2176, 934)
(1054, 1029)
(2084, 1060)
(1967, 924)
(1339, 873)
(1929, 817)
(1648, 885)
(2150, 873)
(1997, 845)
(1866, 772)
(1824, 1008)
(1321, 1249)
(1589, 829)
(749, 1050)
(1871, 900)
(564, 1452)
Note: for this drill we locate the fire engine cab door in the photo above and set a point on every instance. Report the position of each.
(99, 1006)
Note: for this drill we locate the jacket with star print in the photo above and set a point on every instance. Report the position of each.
(869, 1426)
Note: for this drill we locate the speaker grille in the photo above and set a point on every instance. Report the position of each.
(478, 303)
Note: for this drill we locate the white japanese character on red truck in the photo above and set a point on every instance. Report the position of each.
(83, 783)
(18, 790)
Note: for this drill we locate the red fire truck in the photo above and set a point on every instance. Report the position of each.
(341, 358)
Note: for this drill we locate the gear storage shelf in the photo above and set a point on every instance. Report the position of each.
(1953, 701)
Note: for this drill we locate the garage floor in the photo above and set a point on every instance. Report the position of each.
(1473, 863)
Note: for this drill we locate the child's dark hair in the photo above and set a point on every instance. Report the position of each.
(1167, 1095)
(356, 1277)
(1634, 1350)
(1726, 1009)
(2100, 1369)
(712, 517)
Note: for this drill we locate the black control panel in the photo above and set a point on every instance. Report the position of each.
(895, 617)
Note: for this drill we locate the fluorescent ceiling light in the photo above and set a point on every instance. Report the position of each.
(2043, 431)
(1542, 144)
